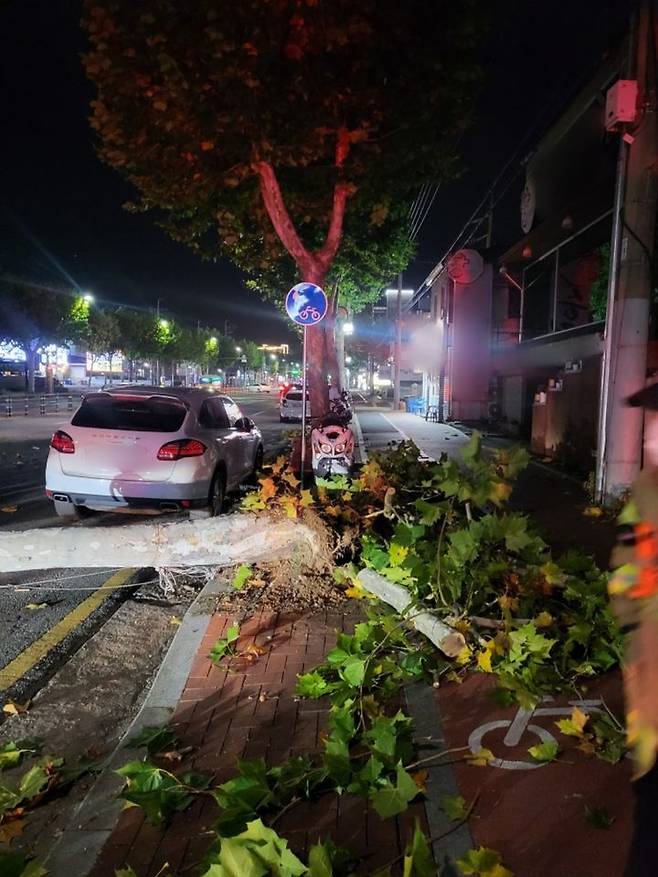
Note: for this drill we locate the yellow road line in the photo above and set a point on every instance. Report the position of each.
(35, 652)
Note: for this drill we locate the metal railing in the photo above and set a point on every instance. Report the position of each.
(48, 403)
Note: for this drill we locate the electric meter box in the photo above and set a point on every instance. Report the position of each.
(620, 103)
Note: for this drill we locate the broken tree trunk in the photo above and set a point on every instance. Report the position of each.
(445, 638)
(223, 541)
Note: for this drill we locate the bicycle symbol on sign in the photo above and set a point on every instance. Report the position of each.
(520, 724)
(310, 313)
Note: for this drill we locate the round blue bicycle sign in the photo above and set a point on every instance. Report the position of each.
(306, 304)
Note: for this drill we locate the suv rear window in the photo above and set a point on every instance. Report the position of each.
(295, 396)
(154, 414)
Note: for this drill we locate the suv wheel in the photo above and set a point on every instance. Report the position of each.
(217, 493)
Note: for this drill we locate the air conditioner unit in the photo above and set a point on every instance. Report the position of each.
(620, 103)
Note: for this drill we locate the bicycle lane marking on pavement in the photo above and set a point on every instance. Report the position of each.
(521, 812)
(37, 651)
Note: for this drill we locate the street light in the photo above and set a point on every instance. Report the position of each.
(238, 350)
(88, 297)
(348, 328)
(164, 324)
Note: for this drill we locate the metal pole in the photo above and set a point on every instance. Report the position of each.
(398, 346)
(303, 453)
(608, 339)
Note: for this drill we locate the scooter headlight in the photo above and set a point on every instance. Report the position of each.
(326, 449)
(340, 449)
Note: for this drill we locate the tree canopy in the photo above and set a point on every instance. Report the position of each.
(262, 122)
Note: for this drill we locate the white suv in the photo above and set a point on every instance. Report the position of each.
(151, 448)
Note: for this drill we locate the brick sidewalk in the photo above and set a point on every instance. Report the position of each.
(248, 709)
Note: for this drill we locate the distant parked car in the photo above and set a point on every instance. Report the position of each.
(151, 448)
(290, 406)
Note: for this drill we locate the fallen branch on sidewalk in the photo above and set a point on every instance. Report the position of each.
(224, 541)
(445, 638)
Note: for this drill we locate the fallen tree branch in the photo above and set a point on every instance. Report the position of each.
(223, 541)
(445, 638)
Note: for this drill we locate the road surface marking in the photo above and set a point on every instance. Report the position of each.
(35, 652)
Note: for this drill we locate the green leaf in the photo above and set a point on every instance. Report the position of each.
(397, 553)
(545, 752)
(311, 685)
(319, 862)
(430, 513)
(238, 861)
(11, 754)
(159, 793)
(155, 739)
(418, 860)
(242, 576)
(33, 782)
(455, 807)
(394, 799)
(481, 861)
(516, 532)
(354, 671)
(337, 761)
(224, 645)
(125, 872)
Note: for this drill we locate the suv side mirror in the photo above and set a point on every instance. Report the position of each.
(243, 424)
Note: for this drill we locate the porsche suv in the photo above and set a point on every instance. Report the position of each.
(151, 449)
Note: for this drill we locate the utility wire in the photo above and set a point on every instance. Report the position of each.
(491, 197)
(415, 230)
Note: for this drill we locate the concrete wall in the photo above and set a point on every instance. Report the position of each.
(471, 344)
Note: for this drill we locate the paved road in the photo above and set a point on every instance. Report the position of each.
(21, 488)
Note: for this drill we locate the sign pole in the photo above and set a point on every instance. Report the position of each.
(306, 305)
(303, 454)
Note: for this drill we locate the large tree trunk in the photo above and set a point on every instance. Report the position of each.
(223, 541)
(312, 265)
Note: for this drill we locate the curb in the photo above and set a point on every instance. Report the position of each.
(94, 819)
(449, 841)
(360, 441)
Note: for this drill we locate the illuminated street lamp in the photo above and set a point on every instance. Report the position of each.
(164, 324)
(88, 297)
(348, 328)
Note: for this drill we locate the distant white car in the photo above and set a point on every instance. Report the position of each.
(151, 448)
(290, 406)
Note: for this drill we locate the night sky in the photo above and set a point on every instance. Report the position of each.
(60, 208)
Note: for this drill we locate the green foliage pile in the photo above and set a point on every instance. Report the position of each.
(444, 531)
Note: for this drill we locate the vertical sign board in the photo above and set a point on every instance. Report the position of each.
(306, 305)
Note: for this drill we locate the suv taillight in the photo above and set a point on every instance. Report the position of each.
(183, 448)
(62, 442)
